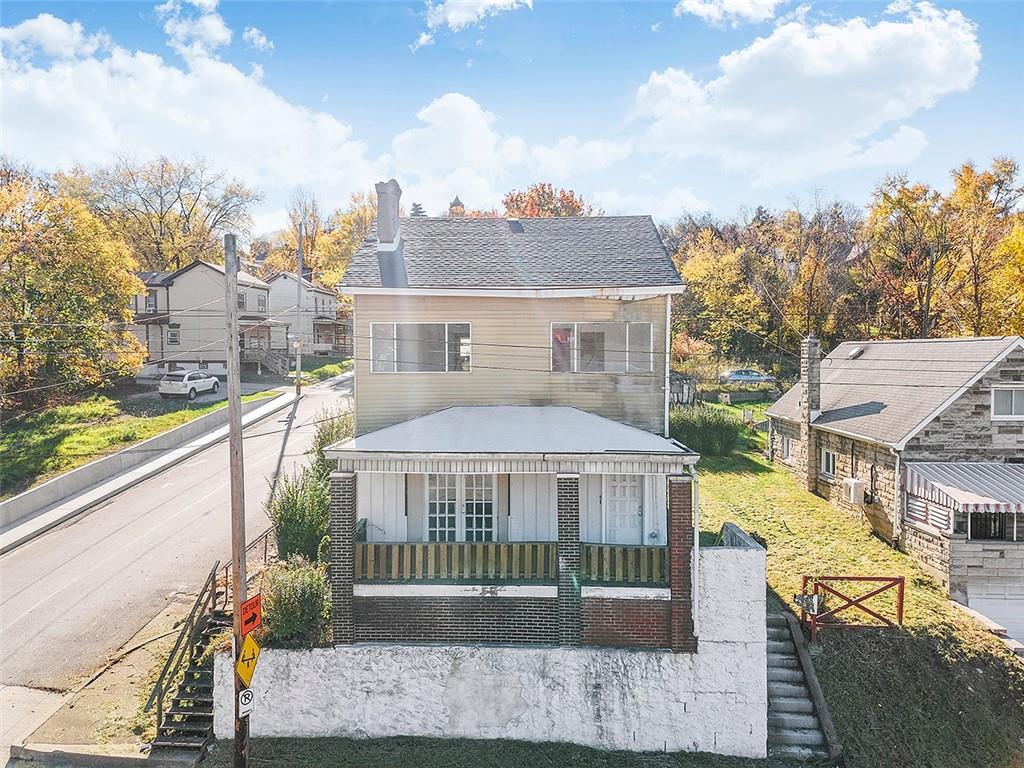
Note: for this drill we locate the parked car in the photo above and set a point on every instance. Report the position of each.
(187, 384)
(745, 376)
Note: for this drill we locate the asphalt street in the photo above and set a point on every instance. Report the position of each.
(73, 596)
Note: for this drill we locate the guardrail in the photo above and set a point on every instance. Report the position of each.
(624, 564)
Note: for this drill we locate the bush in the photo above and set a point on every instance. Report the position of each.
(707, 430)
(332, 425)
(296, 605)
(299, 509)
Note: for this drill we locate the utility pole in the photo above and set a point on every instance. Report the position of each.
(298, 315)
(237, 485)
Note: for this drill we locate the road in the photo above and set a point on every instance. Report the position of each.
(76, 594)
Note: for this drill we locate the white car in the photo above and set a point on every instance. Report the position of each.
(187, 384)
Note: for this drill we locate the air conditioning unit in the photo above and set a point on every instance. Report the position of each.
(853, 491)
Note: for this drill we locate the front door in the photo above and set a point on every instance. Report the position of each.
(624, 509)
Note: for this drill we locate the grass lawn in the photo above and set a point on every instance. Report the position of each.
(941, 691)
(42, 445)
(315, 368)
(461, 753)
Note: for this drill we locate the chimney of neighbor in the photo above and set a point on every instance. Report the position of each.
(388, 196)
(810, 406)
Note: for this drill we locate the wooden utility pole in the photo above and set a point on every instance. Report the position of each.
(298, 314)
(237, 485)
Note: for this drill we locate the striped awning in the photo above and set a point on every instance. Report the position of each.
(967, 486)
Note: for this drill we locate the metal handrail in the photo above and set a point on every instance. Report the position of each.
(185, 641)
(264, 539)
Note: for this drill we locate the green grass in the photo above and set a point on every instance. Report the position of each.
(316, 368)
(460, 753)
(39, 446)
(939, 692)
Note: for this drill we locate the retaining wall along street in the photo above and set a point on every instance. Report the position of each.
(714, 699)
(75, 481)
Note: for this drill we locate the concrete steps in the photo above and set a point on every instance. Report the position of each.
(793, 727)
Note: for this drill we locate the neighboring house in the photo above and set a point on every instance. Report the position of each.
(519, 494)
(318, 324)
(181, 321)
(925, 439)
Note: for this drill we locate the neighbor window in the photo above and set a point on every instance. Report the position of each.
(261, 302)
(241, 300)
(787, 447)
(1008, 402)
(419, 347)
(174, 337)
(828, 464)
(460, 508)
(601, 347)
(151, 301)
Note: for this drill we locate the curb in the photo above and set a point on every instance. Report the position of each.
(15, 538)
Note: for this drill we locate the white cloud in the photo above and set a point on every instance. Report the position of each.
(570, 156)
(733, 12)
(257, 40)
(62, 112)
(424, 39)
(194, 35)
(813, 98)
(656, 27)
(661, 205)
(459, 14)
(50, 36)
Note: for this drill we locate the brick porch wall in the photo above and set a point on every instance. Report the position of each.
(627, 623)
(680, 563)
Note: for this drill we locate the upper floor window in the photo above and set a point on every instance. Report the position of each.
(1008, 402)
(241, 300)
(613, 347)
(261, 302)
(151, 300)
(419, 347)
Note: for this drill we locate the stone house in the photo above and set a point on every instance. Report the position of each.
(531, 565)
(924, 440)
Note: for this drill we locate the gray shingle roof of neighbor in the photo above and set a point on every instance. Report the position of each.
(892, 386)
(584, 251)
(153, 279)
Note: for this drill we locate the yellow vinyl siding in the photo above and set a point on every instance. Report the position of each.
(517, 374)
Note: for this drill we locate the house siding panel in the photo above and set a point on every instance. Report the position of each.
(517, 373)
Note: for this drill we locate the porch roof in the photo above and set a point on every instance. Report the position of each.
(511, 438)
(968, 486)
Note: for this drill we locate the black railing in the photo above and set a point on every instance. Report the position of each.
(183, 645)
(260, 542)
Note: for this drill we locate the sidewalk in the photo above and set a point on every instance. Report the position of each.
(19, 533)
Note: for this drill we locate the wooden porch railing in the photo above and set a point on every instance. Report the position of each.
(622, 564)
(506, 561)
(503, 561)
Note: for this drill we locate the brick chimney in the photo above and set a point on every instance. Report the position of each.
(388, 196)
(810, 406)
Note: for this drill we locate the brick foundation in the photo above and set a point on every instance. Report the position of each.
(498, 620)
(342, 566)
(627, 623)
(680, 557)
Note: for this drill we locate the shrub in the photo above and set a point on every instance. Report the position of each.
(299, 509)
(332, 425)
(707, 430)
(296, 605)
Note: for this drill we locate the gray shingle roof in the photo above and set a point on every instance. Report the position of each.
(592, 251)
(893, 385)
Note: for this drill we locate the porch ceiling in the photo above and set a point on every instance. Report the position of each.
(508, 438)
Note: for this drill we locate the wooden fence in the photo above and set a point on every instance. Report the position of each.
(506, 561)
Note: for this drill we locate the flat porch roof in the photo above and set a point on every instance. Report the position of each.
(510, 438)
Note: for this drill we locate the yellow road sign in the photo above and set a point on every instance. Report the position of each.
(246, 664)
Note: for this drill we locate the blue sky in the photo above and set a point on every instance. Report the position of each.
(643, 107)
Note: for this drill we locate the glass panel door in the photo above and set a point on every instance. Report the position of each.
(479, 507)
(442, 504)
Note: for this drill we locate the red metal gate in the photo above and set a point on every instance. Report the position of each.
(821, 588)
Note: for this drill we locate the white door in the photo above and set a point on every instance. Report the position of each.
(624, 509)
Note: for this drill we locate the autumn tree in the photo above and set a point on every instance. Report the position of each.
(168, 212)
(544, 200)
(65, 287)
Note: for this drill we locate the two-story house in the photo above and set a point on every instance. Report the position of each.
(316, 322)
(181, 321)
(925, 440)
(518, 491)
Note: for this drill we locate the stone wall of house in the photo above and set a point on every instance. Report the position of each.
(875, 466)
(965, 430)
(985, 568)
(780, 430)
(929, 548)
(714, 700)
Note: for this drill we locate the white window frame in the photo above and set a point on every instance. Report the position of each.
(151, 307)
(460, 506)
(1010, 388)
(173, 338)
(241, 300)
(261, 302)
(822, 472)
(394, 338)
(575, 347)
(787, 447)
